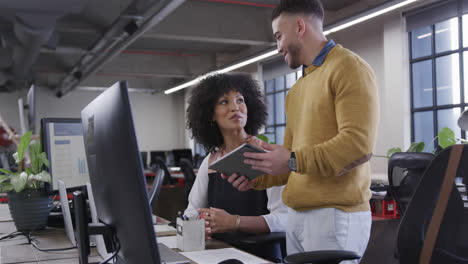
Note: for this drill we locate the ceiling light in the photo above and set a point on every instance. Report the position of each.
(227, 69)
(385, 8)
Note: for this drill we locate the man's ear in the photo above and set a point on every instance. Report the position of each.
(300, 27)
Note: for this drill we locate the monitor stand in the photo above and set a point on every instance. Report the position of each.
(66, 212)
(67, 216)
(84, 230)
(98, 239)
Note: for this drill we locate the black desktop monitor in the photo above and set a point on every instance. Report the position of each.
(31, 101)
(182, 154)
(154, 155)
(116, 173)
(62, 141)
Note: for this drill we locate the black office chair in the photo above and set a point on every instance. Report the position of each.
(168, 180)
(153, 194)
(451, 240)
(405, 170)
(189, 176)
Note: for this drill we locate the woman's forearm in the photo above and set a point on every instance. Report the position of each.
(253, 224)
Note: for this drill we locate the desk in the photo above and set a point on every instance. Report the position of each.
(17, 250)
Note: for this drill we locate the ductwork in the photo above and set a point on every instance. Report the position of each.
(33, 25)
(132, 23)
(32, 31)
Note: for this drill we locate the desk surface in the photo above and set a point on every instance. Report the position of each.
(17, 250)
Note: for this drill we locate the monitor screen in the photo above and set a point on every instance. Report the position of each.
(157, 155)
(62, 141)
(116, 174)
(31, 101)
(182, 154)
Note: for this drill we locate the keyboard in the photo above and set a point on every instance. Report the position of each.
(169, 256)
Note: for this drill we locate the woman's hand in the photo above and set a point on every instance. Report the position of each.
(217, 221)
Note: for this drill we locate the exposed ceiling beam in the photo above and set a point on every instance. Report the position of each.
(84, 70)
(219, 40)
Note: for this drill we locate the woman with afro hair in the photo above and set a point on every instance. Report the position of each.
(225, 111)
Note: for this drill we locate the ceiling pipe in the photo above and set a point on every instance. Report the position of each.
(241, 3)
(88, 65)
(32, 31)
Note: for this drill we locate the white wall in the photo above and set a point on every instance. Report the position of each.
(158, 118)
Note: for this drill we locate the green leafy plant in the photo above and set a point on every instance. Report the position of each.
(264, 138)
(446, 138)
(32, 175)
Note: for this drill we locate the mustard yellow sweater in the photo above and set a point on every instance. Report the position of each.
(332, 118)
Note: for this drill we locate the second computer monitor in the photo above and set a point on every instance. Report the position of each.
(62, 141)
(182, 154)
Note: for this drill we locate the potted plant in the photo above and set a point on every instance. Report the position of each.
(28, 199)
(446, 138)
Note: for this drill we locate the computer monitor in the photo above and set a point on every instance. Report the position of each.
(157, 155)
(116, 174)
(182, 154)
(31, 100)
(62, 141)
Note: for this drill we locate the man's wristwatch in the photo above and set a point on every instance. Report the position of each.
(292, 165)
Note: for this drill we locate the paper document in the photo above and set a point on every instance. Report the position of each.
(169, 241)
(214, 256)
(164, 228)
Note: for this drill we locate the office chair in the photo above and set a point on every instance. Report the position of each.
(189, 176)
(153, 194)
(434, 228)
(404, 173)
(168, 180)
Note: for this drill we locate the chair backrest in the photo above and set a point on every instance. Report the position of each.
(404, 173)
(167, 175)
(189, 176)
(153, 194)
(452, 234)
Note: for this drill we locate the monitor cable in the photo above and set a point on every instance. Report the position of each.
(117, 249)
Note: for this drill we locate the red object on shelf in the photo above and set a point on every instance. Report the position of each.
(384, 209)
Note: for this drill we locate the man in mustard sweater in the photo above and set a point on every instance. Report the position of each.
(332, 116)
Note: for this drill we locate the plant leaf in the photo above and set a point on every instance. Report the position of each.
(29, 171)
(446, 137)
(34, 153)
(392, 151)
(44, 160)
(262, 137)
(4, 178)
(43, 176)
(19, 182)
(6, 187)
(23, 145)
(416, 147)
(7, 172)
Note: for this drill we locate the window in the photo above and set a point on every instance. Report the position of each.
(439, 72)
(275, 91)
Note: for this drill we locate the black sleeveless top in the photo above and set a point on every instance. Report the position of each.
(221, 194)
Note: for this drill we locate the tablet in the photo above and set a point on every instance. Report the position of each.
(233, 162)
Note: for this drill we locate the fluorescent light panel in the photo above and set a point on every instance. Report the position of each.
(274, 52)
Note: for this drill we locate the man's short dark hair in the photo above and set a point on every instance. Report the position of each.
(309, 7)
